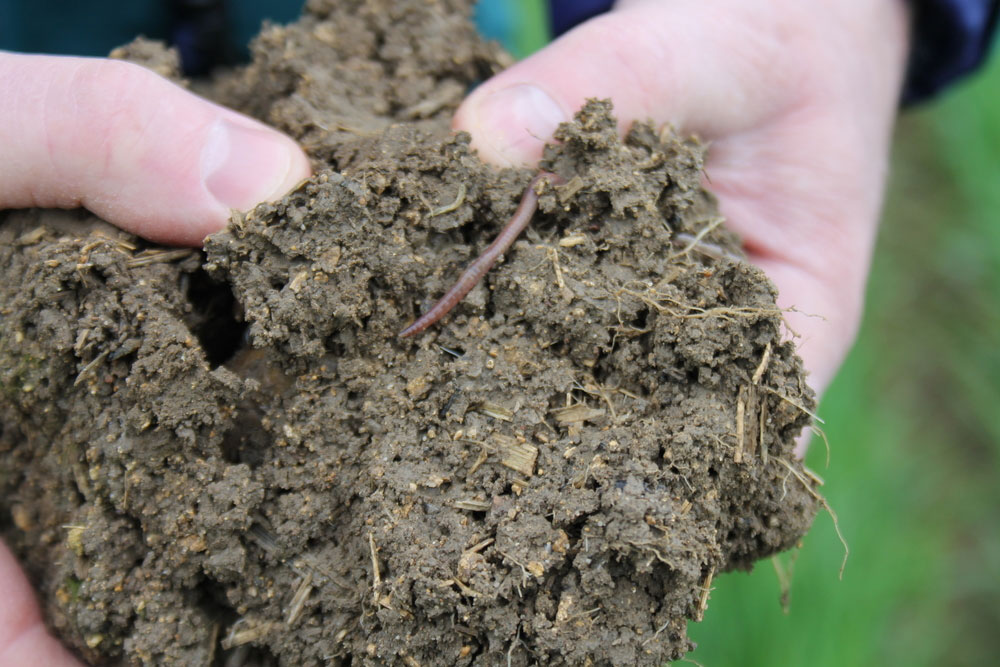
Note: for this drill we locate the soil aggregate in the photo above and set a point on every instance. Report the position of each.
(228, 457)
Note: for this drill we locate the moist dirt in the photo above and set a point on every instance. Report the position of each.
(228, 457)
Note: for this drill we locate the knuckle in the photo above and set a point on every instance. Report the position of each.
(106, 113)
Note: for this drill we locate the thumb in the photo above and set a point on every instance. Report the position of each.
(670, 62)
(133, 148)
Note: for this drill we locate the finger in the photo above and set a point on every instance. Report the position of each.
(23, 637)
(822, 320)
(692, 64)
(133, 148)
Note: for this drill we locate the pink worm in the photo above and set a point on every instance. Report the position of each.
(479, 268)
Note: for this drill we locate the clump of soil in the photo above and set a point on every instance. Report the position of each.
(229, 457)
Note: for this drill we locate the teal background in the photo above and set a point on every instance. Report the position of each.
(94, 27)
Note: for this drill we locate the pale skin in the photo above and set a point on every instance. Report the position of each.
(797, 99)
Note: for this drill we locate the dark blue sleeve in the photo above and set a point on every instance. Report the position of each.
(206, 32)
(564, 14)
(89, 28)
(950, 38)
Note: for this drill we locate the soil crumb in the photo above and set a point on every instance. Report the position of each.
(228, 456)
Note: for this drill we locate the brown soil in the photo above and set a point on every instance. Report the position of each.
(230, 458)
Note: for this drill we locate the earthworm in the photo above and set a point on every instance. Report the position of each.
(482, 264)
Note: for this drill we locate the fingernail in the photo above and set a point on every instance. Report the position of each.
(517, 121)
(243, 166)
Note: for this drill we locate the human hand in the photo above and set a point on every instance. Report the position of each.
(143, 154)
(797, 100)
(133, 148)
(24, 639)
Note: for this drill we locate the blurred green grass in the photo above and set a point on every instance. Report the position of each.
(914, 424)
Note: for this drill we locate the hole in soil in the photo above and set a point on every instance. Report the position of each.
(452, 350)
(247, 441)
(211, 598)
(246, 655)
(641, 319)
(376, 287)
(213, 317)
(574, 529)
(600, 371)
